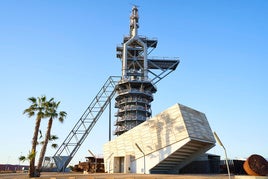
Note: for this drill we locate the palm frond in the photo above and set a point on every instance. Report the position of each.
(54, 146)
(29, 112)
(63, 115)
(22, 158)
(31, 155)
(51, 99)
(57, 104)
(40, 133)
(32, 100)
(53, 137)
(42, 99)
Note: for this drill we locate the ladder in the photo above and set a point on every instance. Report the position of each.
(84, 125)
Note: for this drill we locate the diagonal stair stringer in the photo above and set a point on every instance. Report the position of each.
(86, 122)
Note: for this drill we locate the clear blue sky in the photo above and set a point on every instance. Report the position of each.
(66, 50)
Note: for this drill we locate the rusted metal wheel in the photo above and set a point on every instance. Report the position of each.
(256, 165)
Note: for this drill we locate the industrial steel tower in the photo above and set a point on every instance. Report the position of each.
(135, 92)
(135, 89)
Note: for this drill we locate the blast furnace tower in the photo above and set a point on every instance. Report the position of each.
(135, 89)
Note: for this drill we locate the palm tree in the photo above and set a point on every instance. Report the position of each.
(38, 108)
(52, 114)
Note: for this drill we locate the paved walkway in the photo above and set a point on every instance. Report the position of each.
(51, 175)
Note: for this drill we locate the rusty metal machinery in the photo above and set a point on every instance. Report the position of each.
(256, 165)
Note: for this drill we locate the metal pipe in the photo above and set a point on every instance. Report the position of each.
(226, 158)
(143, 157)
(110, 118)
(145, 62)
(124, 60)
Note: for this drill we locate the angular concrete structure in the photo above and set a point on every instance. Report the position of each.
(163, 144)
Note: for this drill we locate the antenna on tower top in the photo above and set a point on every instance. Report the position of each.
(134, 21)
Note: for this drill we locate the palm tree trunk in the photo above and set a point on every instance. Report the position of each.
(34, 144)
(44, 147)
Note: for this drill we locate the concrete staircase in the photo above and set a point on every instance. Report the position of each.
(181, 157)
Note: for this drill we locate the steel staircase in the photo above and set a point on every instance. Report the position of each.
(80, 131)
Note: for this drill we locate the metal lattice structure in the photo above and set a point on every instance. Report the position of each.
(80, 131)
(135, 90)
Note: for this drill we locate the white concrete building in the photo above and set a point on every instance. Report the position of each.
(163, 144)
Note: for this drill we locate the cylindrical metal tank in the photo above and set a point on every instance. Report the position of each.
(256, 165)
